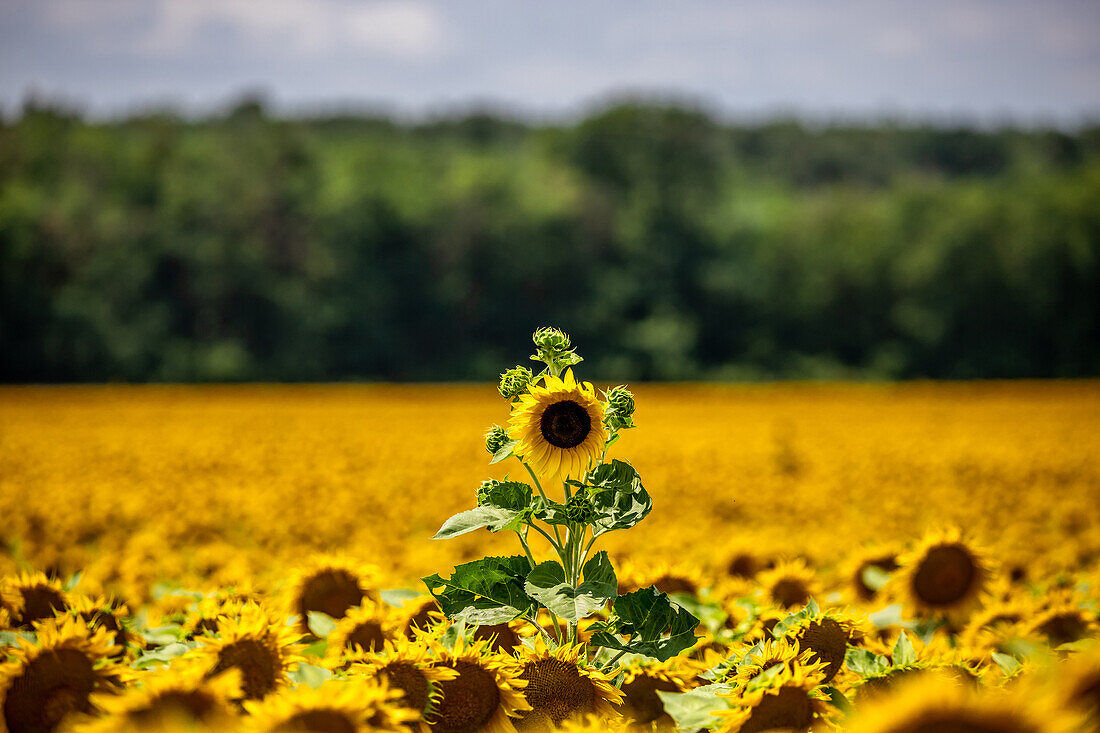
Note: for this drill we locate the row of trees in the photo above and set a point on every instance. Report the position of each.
(675, 246)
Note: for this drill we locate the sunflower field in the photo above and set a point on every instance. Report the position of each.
(916, 557)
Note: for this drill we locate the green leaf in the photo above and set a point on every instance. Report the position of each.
(484, 516)
(838, 700)
(484, 592)
(164, 635)
(547, 585)
(550, 512)
(504, 452)
(1080, 645)
(874, 577)
(710, 615)
(1008, 664)
(316, 649)
(163, 655)
(397, 597)
(655, 626)
(809, 611)
(889, 616)
(73, 581)
(618, 497)
(694, 710)
(864, 662)
(903, 654)
(321, 624)
(307, 674)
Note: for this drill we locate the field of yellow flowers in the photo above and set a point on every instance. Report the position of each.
(863, 557)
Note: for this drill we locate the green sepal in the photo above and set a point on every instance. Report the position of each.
(484, 592)
(656, 627)
(694, 710)
(809, 611)
(865, 663)
(547, 585)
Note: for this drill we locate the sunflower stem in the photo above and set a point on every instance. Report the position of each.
(542, 493)
(610, 662)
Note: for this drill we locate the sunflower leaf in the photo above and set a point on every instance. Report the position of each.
(550, 512)
(321, 624)
(656, 627)
(308, 674)
(618, 497)
(547, 585)
(1008, 664)
(484, 592)
(694, 710)
(504, 452)
(492, 518)
(903, 654)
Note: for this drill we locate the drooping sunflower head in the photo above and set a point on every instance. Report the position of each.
(944, 576)
(784, 697)
(336, 706)
(363, 628)
(484, 695)
(181, 693)
(930, 702)
(641, 683)
(559, 426)
(869, 570)
(33, 597)
(263, 649)
(331, 585)
(411, 669)
(790, 584)
(55, 677)
(561, 685)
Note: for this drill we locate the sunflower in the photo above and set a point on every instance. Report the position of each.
(202, 618)
(421, 615)
(347, 706)
(868, 569)
(932, 703)
(827, 636)
(996, 622)
(101, 613)
(668, 578)
(262, 649)
(789, 584)
(560, 686)
(760, 627)
(38, 597)
(366, 628)
(789, 698)
(180, 693)
(1078, 684)
(47, 680)
(559, 427)
(331, 586)
(766, 655)
(408, 667)
(943, 577)
(505, 637)
(640, 685)
(484, 696)
(1062, 620)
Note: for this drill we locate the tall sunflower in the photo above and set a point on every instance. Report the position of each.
(46, 681)
(559, 426)
(484, 696)
(560, 686)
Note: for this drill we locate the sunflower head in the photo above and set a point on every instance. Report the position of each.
(179, 693)
(331, 586)
(102, 613)
(558, 426)
(484, 695)
(514, 382)
(33, 597)
(944, 576)
(784, 697)
(561, 685)
(789, 584)
(825, 635)
(356, 705)
(45, 681)
(641, 683)
(766, 655)
(364, 628)
(263, 649)
(409, 668)
(1062, 618)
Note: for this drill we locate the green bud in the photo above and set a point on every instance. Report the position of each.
(515, 382)
(550, 340)
(495, 438)
(620, 407)
(483, 490)
(579, 507)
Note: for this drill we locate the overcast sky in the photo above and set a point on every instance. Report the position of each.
(977, 59)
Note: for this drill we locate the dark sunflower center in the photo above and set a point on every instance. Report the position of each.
(828, 641)
(331, 592)
(259, 668)
(945, 575)
(503, 639)
(53, 685)
(565, 424)
(469, 701)
(556, 690)
(321, 721)
(791, 708)
(368, 636)
(791, 592)
(407, 678)
(190, 704)
(641, 703)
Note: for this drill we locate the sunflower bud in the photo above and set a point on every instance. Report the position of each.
(514, 382)
(554, 349)
(496, 438)
(483, 491)
(579, 508)
(620, 407)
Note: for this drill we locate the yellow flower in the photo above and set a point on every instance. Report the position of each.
(790, 699)
(944, 576)
(559, 426)
(366, 628)
(641, 683)
(356, 705)
(262, 649)
(561, 686)
(409, 668)
(484, 696)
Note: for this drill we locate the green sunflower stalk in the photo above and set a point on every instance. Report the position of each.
(559, 430)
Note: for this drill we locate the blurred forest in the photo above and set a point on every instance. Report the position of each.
(670, 244)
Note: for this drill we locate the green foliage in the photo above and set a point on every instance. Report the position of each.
(694, 710)
(653, 625)
(484, 592)
(251, 248)
(548, 585)
(617, 497)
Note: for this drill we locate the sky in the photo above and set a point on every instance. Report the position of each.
(972, 60)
